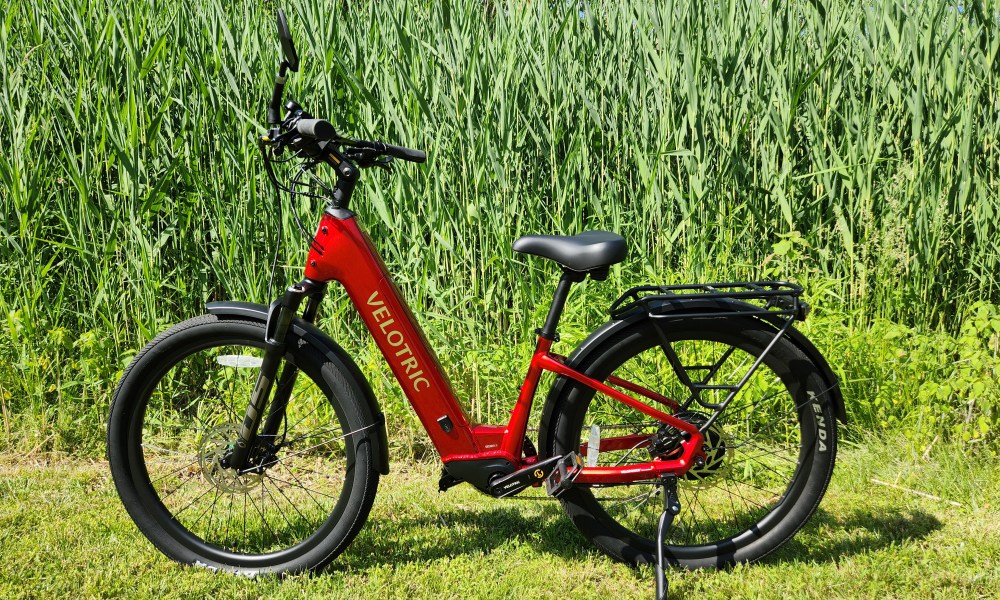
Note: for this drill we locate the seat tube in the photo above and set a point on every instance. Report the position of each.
(548, 330)
(517, 426)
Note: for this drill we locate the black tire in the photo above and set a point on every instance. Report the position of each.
(777, 439)
(175, 411)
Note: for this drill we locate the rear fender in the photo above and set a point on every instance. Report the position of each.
(322, 342)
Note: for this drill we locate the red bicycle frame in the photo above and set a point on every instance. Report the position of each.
(344, 253)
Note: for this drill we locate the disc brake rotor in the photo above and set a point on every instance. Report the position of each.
(214, 447)
(667, 444)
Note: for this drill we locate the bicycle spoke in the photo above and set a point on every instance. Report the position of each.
(229, 523)
(301, 469)
(206, 511)
(763, 454)
(178, 470)
(300, 485)
(732, 505)
(189, 504)
(173, 491)
(732, 413)
(260, 511)
(644, 495)
(293, 505)
(321, 444)
(161, 449)
(263, 490)
(630, 450)
(245, 517)
(313, 433)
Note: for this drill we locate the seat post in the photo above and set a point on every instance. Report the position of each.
(548, 330)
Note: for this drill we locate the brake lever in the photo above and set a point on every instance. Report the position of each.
(278, 140)
(368, 157)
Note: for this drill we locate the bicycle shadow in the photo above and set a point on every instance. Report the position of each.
(828, 538)
(544, 527)
(456, 532)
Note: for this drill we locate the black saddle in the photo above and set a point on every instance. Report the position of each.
(584, 252)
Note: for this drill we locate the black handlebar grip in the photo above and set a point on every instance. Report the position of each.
(317, 129)
(417, 156)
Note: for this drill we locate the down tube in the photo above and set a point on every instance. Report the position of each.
(342, 252)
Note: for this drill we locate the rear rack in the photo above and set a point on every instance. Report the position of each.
(778, 302)
(756, 298)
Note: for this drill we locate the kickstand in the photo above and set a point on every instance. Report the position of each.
(671, 507)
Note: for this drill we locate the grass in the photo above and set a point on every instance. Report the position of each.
(68, 536)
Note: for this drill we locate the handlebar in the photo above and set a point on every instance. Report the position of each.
(322, 130)
(317, 129)
(417, 156)
(316, 140)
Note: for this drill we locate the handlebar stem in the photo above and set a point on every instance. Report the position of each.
(347, 178)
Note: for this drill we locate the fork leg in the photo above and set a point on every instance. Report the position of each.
(671, 507)
(285, 383)
(279, 320)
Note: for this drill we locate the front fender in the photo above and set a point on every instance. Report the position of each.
(609, 329)
(322, 342)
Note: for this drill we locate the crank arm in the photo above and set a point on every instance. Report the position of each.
(531, 475)
(562, 476)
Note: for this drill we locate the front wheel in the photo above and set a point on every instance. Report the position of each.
(306, 490)
(770, 454)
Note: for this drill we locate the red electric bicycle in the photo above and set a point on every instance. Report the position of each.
(697, 427)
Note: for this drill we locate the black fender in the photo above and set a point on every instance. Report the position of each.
(609, 329)
(322, 342)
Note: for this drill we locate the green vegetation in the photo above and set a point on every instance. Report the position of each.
(68, 536)
(848, 145)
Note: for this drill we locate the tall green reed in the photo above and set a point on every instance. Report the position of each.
(849, 145)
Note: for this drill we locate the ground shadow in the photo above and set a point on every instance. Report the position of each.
(454, 532)
(544, 527)
(828, 538)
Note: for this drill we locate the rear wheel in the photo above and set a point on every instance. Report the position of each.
(306, 491)
(770, 455)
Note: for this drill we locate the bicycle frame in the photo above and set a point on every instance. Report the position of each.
(343, 252)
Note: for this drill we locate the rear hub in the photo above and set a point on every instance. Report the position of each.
(666, 444)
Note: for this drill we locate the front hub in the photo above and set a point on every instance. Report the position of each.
(213, 457)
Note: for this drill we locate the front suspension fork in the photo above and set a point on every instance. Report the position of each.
(279, 319)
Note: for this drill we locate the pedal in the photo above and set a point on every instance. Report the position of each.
(561, 478)
(535, 474)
